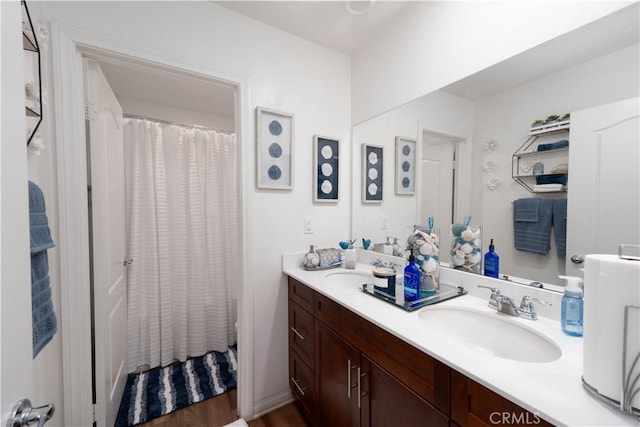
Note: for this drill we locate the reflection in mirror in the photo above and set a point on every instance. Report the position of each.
(592, 66)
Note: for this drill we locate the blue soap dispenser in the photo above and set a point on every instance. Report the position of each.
(491, 262)
(571, 313)
(411, 280)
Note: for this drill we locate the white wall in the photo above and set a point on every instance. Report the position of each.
(434, 112)
(285, 73)
(432, 44)
(506, 117)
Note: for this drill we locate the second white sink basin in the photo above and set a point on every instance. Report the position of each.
(491, 333)
(348, 278)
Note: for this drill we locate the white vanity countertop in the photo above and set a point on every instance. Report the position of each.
(552, 390)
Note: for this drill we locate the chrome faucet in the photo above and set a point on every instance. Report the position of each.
(526, 307)
(504, 304)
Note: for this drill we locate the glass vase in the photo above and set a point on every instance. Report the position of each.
(427, 254)
(466, 247)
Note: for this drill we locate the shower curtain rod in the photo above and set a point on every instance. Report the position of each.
(165, 122)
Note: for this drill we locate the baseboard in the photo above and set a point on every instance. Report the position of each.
(271, 403)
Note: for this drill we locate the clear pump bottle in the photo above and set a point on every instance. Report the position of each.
(571, 314)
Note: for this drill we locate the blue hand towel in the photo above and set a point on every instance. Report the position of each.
(45, 324)
(528, 234)
(39, 226)
(43, 316)
(560, 225)
(526, 210)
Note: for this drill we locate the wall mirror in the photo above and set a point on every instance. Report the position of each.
(468, 131)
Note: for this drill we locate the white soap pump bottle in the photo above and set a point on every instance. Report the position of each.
(571, 314)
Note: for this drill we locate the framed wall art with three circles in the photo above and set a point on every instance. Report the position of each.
(372, 167)
(326, 162)
(274, 149)
(405, 166)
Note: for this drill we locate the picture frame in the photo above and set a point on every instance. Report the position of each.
(372, 173)
(406, 165)
(274, 149)
(326, 165)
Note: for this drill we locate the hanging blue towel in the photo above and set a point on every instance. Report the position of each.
(526, 210)
(560, 225)
(43, 316)
(39, 225)
(532, 225)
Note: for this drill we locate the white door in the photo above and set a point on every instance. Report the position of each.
(107, 214)
(16, 361)
(437, 182)
(604, 181)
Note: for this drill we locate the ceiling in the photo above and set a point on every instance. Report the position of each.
(327, 23)
(348, 32)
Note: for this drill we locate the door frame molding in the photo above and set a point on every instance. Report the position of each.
(69, 44)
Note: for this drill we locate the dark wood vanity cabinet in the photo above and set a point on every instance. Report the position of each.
(346, 371)
(362, 375)
(475, 405)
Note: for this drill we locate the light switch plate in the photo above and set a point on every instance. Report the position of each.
(308, 225)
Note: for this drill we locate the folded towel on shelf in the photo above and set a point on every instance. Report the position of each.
(43, 316)
(546, 188)
(526, 210)
(553, 145)
(529, 235)
(558, 178)
(560, 225)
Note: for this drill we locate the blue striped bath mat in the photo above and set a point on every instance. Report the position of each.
(161, 391)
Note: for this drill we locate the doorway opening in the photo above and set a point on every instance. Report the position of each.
(439, 181)
(72, 46)
(177, 168)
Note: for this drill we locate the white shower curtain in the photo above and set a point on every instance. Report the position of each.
(183, 237)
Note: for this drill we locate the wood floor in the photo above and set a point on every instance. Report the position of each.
(221, 410)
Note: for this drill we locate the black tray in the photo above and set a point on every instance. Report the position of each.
(446, 292)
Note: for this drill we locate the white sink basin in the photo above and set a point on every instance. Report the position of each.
(348, 278)
(491, 333)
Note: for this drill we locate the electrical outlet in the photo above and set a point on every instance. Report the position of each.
(308, 225)
(383, 223)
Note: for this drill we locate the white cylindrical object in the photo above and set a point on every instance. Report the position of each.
(350, 259)
(610, 284)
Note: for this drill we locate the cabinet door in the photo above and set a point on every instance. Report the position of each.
(388, 402)
(337, 365)
(474, 405)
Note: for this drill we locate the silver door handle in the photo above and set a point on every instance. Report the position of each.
(577, 259)
(23, 414)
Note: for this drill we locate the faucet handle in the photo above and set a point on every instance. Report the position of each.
(494, 291)
(494, 295)
(526, 306)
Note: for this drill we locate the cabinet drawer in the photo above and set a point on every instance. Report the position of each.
(301, 333)
(301, 294)
(301, 382)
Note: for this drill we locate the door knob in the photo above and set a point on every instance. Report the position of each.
(23, 414)
(577, 259)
